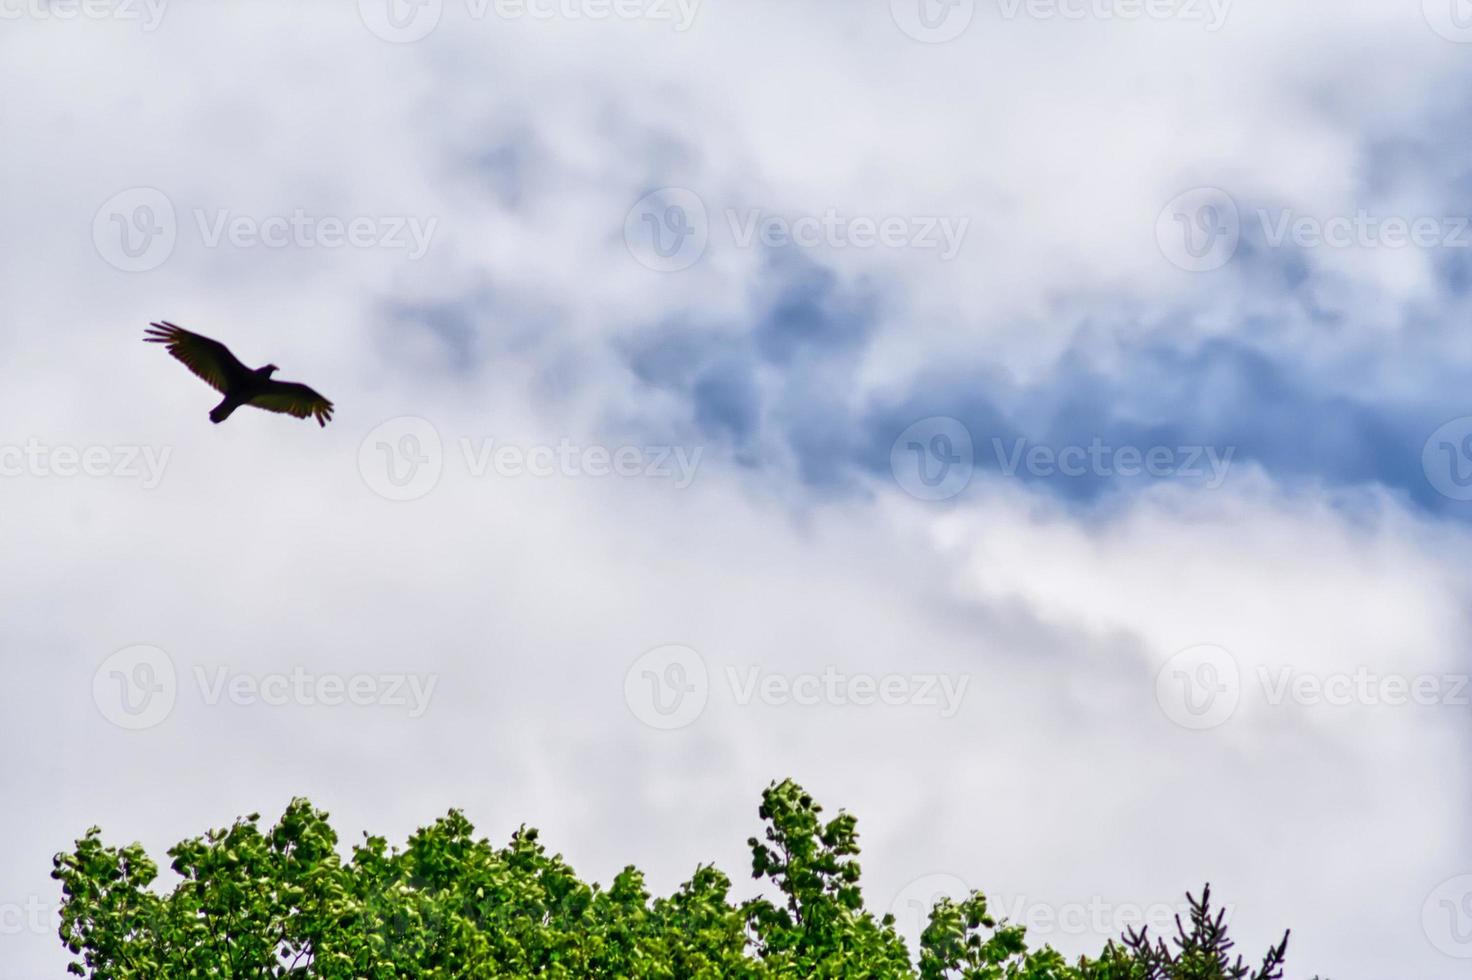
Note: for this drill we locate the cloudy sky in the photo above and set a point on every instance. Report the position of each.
(1040, 427)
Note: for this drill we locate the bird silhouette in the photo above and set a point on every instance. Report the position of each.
(240, 385)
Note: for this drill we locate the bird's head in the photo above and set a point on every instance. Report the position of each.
(269, 370)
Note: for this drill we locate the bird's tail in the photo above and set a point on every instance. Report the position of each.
(222, 411)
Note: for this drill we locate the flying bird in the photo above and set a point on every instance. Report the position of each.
(240, 385)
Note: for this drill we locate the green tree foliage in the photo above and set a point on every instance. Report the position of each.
(284, 902)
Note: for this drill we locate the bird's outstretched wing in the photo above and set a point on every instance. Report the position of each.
(292, 398)
(209, 359)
